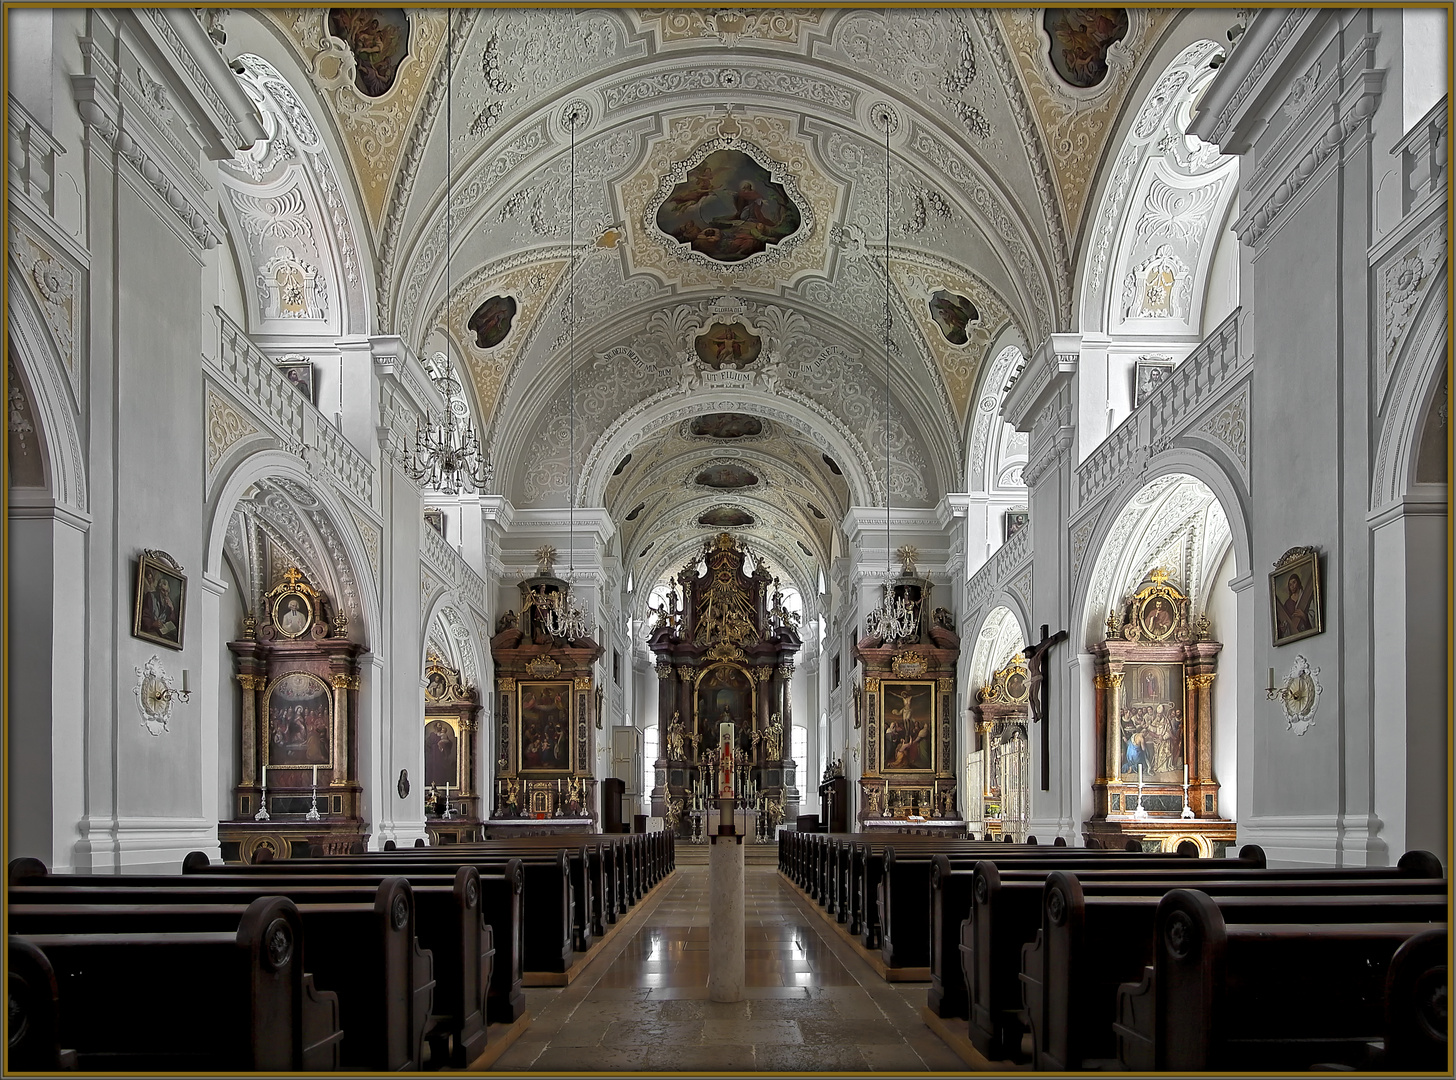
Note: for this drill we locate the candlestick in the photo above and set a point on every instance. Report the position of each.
(262, 814)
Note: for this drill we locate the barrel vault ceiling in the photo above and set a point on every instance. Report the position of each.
(591, 366)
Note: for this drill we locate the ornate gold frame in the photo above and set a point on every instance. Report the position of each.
(935, 721)
(569, 690)
(267, 720)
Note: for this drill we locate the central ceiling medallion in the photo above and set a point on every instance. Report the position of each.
(726, 517)
(952, 313)
(728, 207)
(726, 475)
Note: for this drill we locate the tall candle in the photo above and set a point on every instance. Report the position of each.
(1271, 677)
(1140, 775)
(315, 776)
(184, 680)
(1185, 774)
(265, 778)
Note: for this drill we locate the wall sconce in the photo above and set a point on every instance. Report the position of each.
(155, 694)
(1299, 694)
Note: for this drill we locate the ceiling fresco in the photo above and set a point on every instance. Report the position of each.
(727, 171)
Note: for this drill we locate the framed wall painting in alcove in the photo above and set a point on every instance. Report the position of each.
(161, 599)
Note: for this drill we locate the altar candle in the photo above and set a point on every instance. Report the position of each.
(1140, 775)
(1185, 774)
(315, 776)
(265, 778)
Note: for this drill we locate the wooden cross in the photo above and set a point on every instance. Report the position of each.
(1040, 704)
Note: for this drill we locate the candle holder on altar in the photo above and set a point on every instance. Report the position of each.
(313, 810)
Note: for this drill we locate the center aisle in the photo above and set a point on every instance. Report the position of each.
(811, 1003)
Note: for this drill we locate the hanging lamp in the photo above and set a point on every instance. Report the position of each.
(896, 618)
(447, 454)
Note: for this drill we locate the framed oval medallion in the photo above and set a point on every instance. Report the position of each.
(293, 614)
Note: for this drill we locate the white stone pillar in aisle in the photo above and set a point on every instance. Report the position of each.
(725, 908)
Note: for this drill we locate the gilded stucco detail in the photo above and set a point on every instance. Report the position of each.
(226, 427)
(959, 365)
(1076, 124)
(729, 26)
(374, 129)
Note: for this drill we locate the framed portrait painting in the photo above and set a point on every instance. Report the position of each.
(293, 614)
(907, 734)
(299, 373)
(1294, 593)
(442, 754)
(161, 600)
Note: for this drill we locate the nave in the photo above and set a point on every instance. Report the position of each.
(810, 1004)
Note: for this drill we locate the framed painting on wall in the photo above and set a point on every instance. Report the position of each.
(1294, 590)
(161, 599)
(544, 709)
(907, 731)
(1150, 728)
(299, 373)
(442, 754)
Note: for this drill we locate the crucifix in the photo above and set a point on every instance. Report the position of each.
(1037, 696)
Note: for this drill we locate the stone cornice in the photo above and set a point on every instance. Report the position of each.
(1050, 368)
(1227, 114)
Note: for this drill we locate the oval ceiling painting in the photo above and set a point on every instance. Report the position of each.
(728, 345)
(953, 313)
(728, 208)
(726, 475)
(726, 425)
(492, 321)
(726, 517)
(1080, 38)
(379, 40)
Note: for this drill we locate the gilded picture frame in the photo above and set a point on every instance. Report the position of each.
(908, 729)
(298, 722)
(546, 725)
(1296, 606)
(293, 614)
(161, 600)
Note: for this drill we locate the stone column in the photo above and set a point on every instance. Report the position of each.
(1113, 682)
(1201, 769)
(251, 684)
(342, 683)
(725, 911)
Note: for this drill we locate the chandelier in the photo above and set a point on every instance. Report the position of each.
(447, 455)
(896, 618)
(561, 616)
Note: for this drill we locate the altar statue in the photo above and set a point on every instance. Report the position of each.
(774, 740)
(675, 738)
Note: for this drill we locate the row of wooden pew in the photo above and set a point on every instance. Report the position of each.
(380, 961)
(1082, 958)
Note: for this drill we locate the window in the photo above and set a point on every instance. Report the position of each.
(800, 744)
(649, 755)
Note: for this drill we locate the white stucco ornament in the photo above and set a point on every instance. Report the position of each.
(1300, 694)
(155, 694)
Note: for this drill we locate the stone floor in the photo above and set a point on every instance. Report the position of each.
(811, 1004)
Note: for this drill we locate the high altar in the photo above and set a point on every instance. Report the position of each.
(299, 675)
(1154, 741)
(548, 716)
(726, 657)
(909, 694)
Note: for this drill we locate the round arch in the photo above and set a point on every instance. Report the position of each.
(279, 465)
(1416, 373)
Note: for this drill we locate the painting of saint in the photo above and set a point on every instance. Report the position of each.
(1295, 595)
(299, 711)
(491, 322)
(1016, 686)
(545, 711)
(907, 741)
(727, 345)
(1151, 723)
(725, 695)
(441, 755)
(1080, 38)
(728, 208)
(435, 686)
(161, 593)
(726, 426)
(1158, 618)
(292, 614)
(299, 374)
(726, 517)
(952, 314)
(379, 40)
(726, 476)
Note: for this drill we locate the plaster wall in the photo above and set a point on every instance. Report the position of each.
(229, 695)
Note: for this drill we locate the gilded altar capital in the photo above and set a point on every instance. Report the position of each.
(507, 685)
(252, 682)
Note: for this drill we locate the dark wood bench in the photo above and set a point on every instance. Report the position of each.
(361, 944)
(1265, 996)
(190, 1001)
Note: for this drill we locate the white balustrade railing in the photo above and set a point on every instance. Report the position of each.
(1171, 406)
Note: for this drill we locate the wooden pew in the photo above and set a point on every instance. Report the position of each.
(1264, 996)
(163, 1001)
(501, 893)
(361, 943)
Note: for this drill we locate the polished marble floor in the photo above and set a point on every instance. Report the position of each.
(810, 1003)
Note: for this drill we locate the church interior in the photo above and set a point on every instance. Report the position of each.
(1009, 624)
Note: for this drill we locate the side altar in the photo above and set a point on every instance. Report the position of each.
(908, 739)
(725, 660)
(547, 709)
(299, 751)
